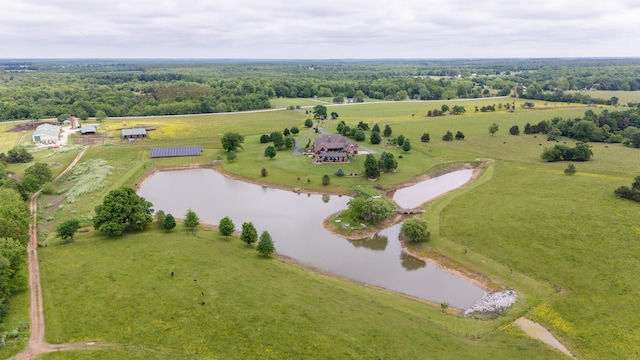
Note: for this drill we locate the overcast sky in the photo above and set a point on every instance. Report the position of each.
(303, 29)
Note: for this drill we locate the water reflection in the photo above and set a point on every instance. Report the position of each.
(411, 263)
(376, 243)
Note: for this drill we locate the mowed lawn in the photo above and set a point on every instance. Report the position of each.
(226, 302)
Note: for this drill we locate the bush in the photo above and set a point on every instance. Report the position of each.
(339, 173)
(570, 170)
(48, 188)
(415, 230)
(325, 180)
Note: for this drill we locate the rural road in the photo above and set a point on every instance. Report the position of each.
(37, 344)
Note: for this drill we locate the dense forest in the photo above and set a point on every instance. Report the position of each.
(90, 88)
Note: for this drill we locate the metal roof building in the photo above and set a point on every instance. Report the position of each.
(134, 133)
(88, 129)
(46, 134)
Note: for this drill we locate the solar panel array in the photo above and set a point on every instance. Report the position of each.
(176, 151)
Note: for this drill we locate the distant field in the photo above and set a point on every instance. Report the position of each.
(623, 96)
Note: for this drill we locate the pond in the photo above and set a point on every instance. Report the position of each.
(294, 221)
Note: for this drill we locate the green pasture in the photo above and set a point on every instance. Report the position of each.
(566, 244)
(624, 97)
(226, 302)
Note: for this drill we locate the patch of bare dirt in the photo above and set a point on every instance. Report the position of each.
(29, 126)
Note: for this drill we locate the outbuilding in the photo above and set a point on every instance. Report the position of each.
(46, 134)
(88, 129)
(134, 133)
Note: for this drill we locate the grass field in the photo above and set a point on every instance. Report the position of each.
(254, 307)
(623, 96)
(566, 244)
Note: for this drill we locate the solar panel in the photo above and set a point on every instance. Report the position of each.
(175, 151)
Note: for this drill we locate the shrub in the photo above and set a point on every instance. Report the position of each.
(263, 172)
(339, 173)
(325, 180)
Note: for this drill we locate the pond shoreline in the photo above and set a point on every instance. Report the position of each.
(466, 274)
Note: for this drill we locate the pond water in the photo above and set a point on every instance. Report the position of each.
(295, 223)
(415, 195)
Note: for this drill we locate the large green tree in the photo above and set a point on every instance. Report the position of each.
(122, 210)
(493, 128)
(40, 171)
(231, 141)
(14, 216)
(320, 112)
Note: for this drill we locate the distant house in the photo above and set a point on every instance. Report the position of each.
(134, 133)
(333, 148)
(46, 134)
(88, 130)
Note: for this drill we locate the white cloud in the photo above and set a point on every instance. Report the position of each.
(317, 29)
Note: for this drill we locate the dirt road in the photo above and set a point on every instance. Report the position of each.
(37, 344)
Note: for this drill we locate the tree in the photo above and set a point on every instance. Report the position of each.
(400, 140)
(264, 172)
(340, 172)
(458, 109)
(582, 152)
(388, 162)
(425, 137)
(67, 229)
(295, 130)
(445, 108)
(264, 138)
(265, 244)
(373, 210)
(101, 115)
(320, 112)
(249, 233)
(226, 226)
(493, 128)
(375, 128)
(514, 130)
(278, 139)
(122, 210)
(371, 167)
(375, 138)
(338, 99)
(415, 230)
(334, 115)
(160, 216)
(270, 151)
(308, 123)
(570, 170)
(448, 136)
(232, 141)
(325, 180)
(459, 135)
(231, 156)
(18, 154)
(289, 142)
(387, 131)
(169, 223)
(286, 132)
(191, 221)
(14, 215)
(359, 135)
(406, 145)
(40, 171)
